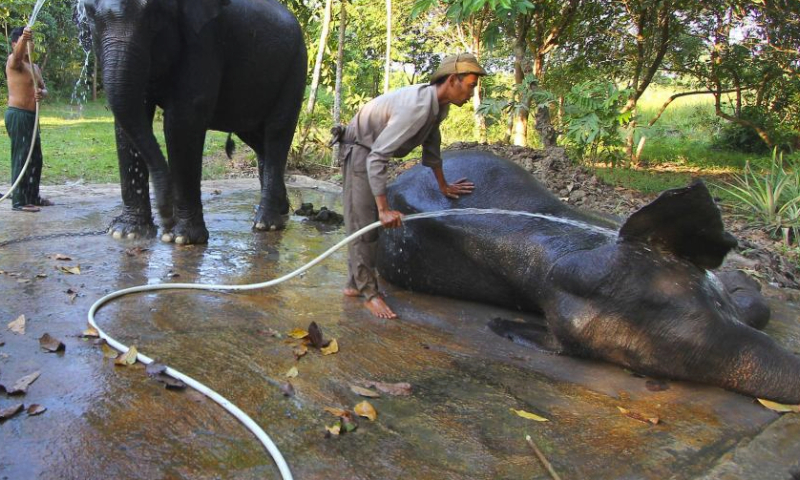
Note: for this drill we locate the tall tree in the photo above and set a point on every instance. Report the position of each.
(323, 40)
(388, 67)
(337, 92)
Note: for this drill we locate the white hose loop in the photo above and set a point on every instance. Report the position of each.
(33, 135)
(248, 422)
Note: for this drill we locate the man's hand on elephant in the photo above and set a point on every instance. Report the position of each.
(390, 218)
(459, 187)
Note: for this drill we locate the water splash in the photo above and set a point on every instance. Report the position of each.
(496, 211)
(82, 85)
(35, 13)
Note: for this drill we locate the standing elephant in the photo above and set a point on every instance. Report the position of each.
(230, 65)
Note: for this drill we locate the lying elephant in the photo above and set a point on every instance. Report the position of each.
(641, 296)
(230, 65)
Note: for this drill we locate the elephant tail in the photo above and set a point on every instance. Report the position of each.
(230, 146)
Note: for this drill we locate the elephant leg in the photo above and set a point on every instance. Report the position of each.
(185, 142)
(136, 219)
(272, 149)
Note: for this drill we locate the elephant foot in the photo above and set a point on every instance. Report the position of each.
(267, 220)
(132, 227)
(186, 233)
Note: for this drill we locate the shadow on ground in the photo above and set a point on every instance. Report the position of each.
(104, 421)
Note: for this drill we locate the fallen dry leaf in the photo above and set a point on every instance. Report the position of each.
(529, 415)
(779, 407)
(299, 351)
(364, 392)
(18, 325)
(398, 389)
(21, 386)
(334, 429)
(51, 344)
(41, 275)
(61, 256)
(72, 294)
(315, 335)
(364, 409)
(76, 270)
(298, 333)
(638, 416)
(108, 352)
(9, 412)
(127, 358)
(291, 373)
(90, 332)
(332, 348)
(135, 251)
(36, 409)
(338, 412)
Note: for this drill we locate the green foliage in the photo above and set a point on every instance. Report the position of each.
(771, 200)
(591, 118)
(737, 137)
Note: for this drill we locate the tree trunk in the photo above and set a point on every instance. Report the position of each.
(388, 45)
(520, 129)
(337, 93)
(323, 40)
(544, 126)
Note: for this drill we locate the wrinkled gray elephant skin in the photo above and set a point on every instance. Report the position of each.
(640, 295)
(230, 65)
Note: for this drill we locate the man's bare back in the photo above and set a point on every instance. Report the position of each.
(21, 93)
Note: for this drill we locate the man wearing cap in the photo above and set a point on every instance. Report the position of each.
(392, 125)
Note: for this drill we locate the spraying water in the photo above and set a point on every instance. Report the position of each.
(35, 13)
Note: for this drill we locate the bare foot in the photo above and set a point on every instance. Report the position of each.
(378, 307)
(351, 292)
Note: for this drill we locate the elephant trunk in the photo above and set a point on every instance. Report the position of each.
(125, 74)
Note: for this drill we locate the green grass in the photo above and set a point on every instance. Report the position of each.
(78, 145)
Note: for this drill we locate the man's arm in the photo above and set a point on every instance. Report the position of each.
(19, 50)
(41, 90)
(432, 157)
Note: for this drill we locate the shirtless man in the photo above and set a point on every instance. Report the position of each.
(20, 117)
(392, 125)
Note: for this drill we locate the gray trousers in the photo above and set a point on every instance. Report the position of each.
(360, 210)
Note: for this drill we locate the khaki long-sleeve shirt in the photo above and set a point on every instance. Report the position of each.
(393, 124)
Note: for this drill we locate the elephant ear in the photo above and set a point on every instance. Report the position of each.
(685, 222)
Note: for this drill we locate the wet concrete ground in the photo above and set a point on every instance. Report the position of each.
(104, 421)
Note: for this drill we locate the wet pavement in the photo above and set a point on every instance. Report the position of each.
(105, 421)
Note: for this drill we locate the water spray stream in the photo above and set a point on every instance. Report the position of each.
(16, 183)
(248, 422)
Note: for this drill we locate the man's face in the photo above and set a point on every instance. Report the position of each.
(464, 88)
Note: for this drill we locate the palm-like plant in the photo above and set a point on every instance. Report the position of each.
(771, 200)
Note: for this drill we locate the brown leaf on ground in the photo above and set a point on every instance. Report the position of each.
(365, 409)
(21, 385)
(315, 335)
(338, 412)
(287, 389)
(108, 352)
(51, 344)
(299, 351)
(364, 392)
(9, 412)
(638, 416)
(656, 385)
(62, 257)
(128, 358)
(333, 430)
(293, 372)
(90, 332)
(529, 415)
(298, 333)
(76, 270)
(135, 251)
(401, 389)
(18, 325)
(332, 348)
(36, 409)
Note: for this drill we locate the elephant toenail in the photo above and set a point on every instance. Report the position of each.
(117, 234)
(132, 236)
(167, 237)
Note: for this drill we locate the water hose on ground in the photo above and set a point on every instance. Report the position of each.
(245, 419)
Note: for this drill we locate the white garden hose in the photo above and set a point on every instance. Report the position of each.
(248, 422)
(33, 135)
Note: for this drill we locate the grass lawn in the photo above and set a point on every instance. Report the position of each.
(78, 145)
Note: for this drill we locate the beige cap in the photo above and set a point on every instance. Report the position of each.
(461, 63)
